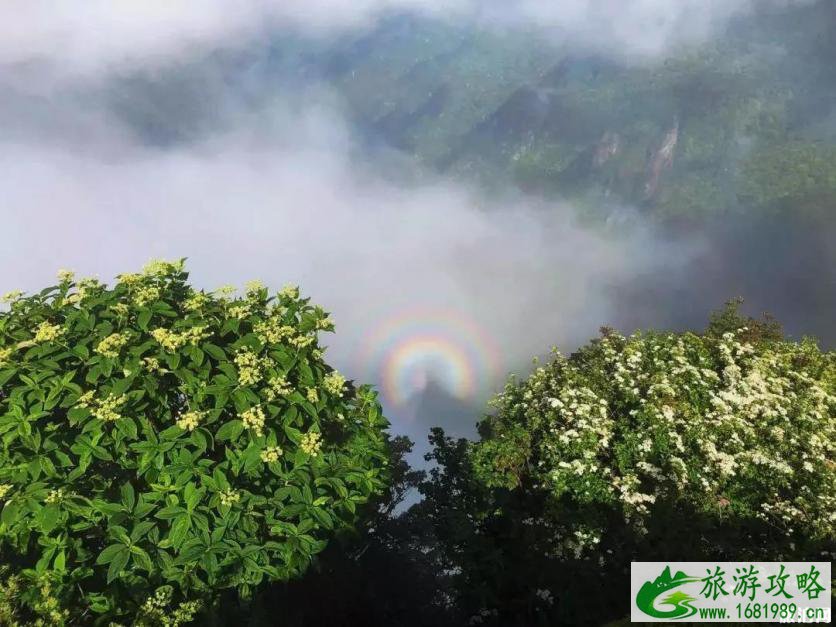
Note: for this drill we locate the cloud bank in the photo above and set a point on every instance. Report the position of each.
(297, 207)
(96, 35)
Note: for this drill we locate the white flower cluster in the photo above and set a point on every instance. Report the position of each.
(633, 421)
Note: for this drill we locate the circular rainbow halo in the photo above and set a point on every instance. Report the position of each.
(407, 351)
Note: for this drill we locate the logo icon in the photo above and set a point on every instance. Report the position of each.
(679, 601)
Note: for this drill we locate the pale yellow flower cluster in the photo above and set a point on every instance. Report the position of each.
(190, 420)
(250, 366)
(11, 297)
(105, 409)
(254, 287)
(171, 340)
(323, 320)
(272, 331)
(156, 605)
(230, 497)
(241, 311)
(112, 345)
(120, 309)
(168, 339)
(5, 353)
(156, 613)
(289, 291)
(152, 364)
(301, 341)
(334, 383)
(48, 605)
(5, 488)
(146, 294)
(276, 387)
(85, 400)
(325, 324)
(129, 279)
(66, 276)
(54, 496)
(269, 455)
(311, 443)
(312, 395)
(196, 301)
(225, 292)
(161, 267)
(72, 299)
(47, 332)
(254, 420)
(86, 286)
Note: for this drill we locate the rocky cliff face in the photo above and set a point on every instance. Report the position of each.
(660, 161)
(607, 148)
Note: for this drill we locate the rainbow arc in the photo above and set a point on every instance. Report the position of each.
(406, 350)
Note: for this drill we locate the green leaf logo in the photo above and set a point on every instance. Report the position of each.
(678, 600)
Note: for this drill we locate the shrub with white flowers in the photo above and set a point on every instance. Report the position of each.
(729, 430)
(162, 444)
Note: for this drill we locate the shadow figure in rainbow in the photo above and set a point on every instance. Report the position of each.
(434, 405)
(679, 600)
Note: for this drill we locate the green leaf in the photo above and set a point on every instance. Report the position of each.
(197, 356)
(5, 375)
(199, 439)
(221, 481)
(48, 467)
(121, 386)
(216, 352)
(179, 529)
(141, 529)
(143, 319)
(48, 518)
(107, 555)
(172, 360)
(128, 495)
(34, 468)
(323, 517)
(127, 427)
(117, 565)
(230, 431)
(294, 435)
(168, 513)
(192, 496)
(142, 559)
(11, 512)
(171, 433)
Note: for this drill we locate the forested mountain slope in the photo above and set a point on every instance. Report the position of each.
(748, 120)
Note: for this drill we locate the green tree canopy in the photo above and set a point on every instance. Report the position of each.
(162, 444)
(731, 425)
